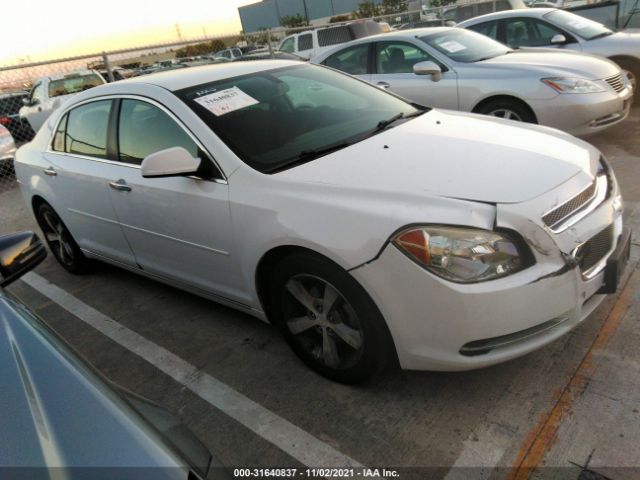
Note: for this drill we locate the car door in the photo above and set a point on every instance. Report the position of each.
(353, 60)
(532, 32)
(36, 112)
(393, 69)
(79, 165)
(178, 227)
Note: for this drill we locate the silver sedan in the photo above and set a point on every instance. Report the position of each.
(459, 69)
(549, 27)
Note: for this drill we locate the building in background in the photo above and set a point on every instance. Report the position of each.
(267, 13)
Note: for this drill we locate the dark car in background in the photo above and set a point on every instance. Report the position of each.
(62, 419)
(10, 104)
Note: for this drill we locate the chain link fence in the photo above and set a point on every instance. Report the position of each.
(30, 92)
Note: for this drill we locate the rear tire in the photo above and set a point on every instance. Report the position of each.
(508, 109)
(60, 241)
(329, 320)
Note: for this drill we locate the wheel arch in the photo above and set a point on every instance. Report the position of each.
(625, 58)
(36, 201)
(503, 97)
(267, 264)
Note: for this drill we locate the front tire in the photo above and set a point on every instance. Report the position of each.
(60, 241)
(329, 320)
(509, 110)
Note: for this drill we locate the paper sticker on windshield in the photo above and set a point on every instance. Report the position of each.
(577, 24)
(226, 101)
(452, 46)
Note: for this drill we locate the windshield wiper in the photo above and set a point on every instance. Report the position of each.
(383, 124)
(306, 156)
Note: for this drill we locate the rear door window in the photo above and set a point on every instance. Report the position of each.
(488, 29)
(305, 42)
(352, 60)
(86, 129)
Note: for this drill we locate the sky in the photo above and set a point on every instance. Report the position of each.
(45, 29)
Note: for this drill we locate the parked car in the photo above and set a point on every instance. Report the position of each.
(458, 13)
(310, 43)
(61, 414)
(369, 230)
(463, 70)
(7, 146)
(542, 27)
(229, 54)
(48, 93)
(617, 15)
(276, 55)
(10, 104)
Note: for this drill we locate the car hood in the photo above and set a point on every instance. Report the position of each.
(567, 64)
(456, 155)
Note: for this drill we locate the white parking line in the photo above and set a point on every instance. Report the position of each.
(292, 440)
(482, 452)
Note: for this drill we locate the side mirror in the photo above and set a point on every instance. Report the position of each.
(558, 39)
(428, 68)
(172, 162)
(19, 253)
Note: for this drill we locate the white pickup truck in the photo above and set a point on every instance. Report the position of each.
(310, 43)
(48, 93)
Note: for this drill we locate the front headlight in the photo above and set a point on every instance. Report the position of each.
(463, 255)
(572, 85)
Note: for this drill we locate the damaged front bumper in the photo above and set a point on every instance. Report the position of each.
(440, 325)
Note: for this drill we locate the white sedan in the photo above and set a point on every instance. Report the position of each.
(370, 231)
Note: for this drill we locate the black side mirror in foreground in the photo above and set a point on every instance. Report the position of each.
(19, 253)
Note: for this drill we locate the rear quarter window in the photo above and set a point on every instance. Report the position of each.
(334, 36)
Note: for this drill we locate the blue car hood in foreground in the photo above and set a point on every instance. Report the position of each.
(57, 412)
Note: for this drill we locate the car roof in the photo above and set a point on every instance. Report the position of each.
(519, 12)
(188, 77)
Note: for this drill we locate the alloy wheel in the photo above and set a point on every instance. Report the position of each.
(323, 322)
(505, 113)
(57, 238)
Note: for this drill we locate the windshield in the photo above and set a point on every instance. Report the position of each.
(465, 46)
(73, 84)
(580, 26)
(281, 117)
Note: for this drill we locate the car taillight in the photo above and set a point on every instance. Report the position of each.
(5, 120)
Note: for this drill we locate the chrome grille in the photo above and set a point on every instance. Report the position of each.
(616, 82)
(568, 208)
(593, 250)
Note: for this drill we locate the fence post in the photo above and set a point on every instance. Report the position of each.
(107, 65)
(269, 42)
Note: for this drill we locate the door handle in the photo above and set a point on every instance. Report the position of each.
(120, 185)
(383, 85)
(50, 171)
